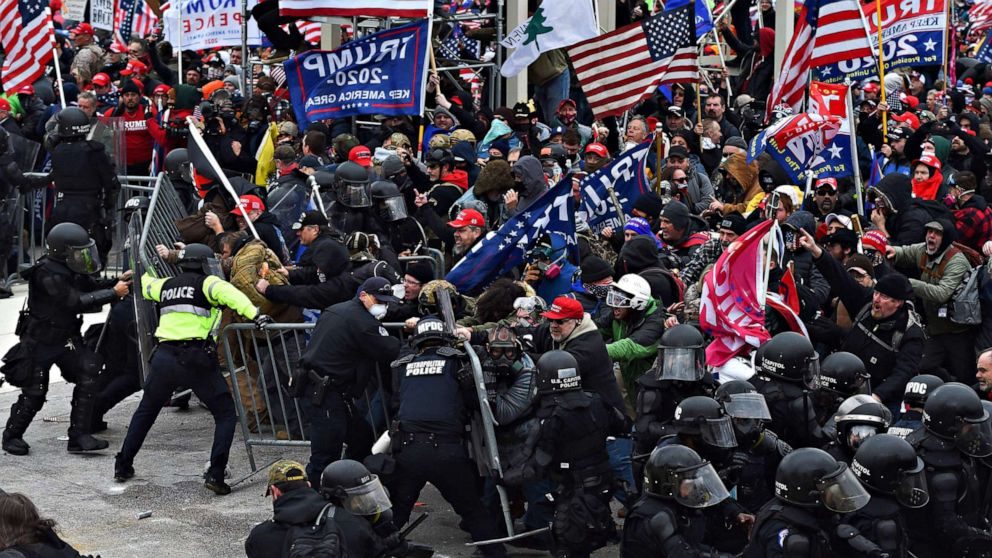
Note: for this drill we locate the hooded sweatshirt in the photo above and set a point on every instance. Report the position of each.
(533, 183)
(747, 176)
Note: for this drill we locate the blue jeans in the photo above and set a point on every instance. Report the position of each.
(552, 93)
(620, 451)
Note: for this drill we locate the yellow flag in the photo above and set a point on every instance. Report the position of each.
(266, 162)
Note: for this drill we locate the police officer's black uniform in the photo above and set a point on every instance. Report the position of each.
(785, 369)
(85, 180)
(435, 390)
(60, 288)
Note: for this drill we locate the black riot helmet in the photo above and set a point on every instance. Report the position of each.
(747, 408)
(70, 244)
(440, 157)
(860, 417)
(811, 477)
(704, 417)
(681, 354)
(843, 374)
(388, 200)
(954, 411)
(789, 357)
(324, 180)
(178, 167)
(136, 204)
(430, 330)
(351, 485)
(918, 388)
(889, 465)
(677, 473)
(558, 371)
(351, 182)
(199, 258)
(72, 123)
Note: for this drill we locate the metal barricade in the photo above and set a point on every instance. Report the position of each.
(438, 271)
(259, 365)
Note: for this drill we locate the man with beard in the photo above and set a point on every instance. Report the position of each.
(565, 116)
(825, 195)
(681, 232)
(886, 334)
(942, 268)
(984, 375)
(716, 110)
(138, 140)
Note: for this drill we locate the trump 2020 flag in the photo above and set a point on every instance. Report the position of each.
(627, 176)
(732, 306)
(796, 141)
(500, 251)
(382, 73)
(555, 24)
(836, 161)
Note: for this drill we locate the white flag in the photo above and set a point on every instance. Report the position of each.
(555, 24)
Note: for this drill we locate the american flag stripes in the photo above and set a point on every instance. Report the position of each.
(980, 15)
(620, 68)
(25, 33)
(349, 8)
(133, 18)
(827, 32)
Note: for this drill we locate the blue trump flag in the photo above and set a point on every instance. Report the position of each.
(984, 52)
(500, 251)
(704, 19)
(629, 180)
(796, 142)
(382, 73)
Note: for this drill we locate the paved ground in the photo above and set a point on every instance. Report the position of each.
(99, 516)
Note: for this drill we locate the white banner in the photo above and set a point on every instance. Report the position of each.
(102, 14)
(209, 23)
(74, 9)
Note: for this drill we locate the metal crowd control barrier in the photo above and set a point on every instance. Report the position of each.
(259, 366)
(438, 267)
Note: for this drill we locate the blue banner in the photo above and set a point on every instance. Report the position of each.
(796, 142)
(704, 18)
(837, 160)
(500, 251)
(984, 52)
(628, 178)
(382, 73)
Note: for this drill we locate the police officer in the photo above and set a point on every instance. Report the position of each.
(667, 520)
(85, 180)
(350, 210)
(858, 418)
(785, 369)
(842, 375)
(12, 179)
(187, 356)
(679, 372)
(759, 450)
(61, 286)
(180, 173)
(570, 445)
(893, 474)
(435, 391)
(811, 489)
(913, 400)
(956, 430)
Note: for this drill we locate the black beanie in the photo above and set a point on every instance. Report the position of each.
(595, 269)
(129, 86)
(676, 212)
(895, 285)
(734, 222)
(650, 203)
(421, 271)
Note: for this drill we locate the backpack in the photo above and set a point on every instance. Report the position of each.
(323, 539)
(964, 306)
(676, 282)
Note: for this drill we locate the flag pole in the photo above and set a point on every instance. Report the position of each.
(858, 186)
(881, 70)
(55, 57)
(423, 89)
(723, 63)
(947, 43)
(179, 43)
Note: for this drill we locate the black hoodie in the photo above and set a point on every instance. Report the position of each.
(640, 255)
(905, 224)
(296, 507)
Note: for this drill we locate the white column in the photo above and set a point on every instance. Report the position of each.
(516, 86)
(785, 22)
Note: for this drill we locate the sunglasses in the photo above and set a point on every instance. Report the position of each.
(561, 321)
(824, 192)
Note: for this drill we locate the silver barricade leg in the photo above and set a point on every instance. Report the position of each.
(239, 407)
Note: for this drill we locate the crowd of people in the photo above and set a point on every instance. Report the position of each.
(862, 427)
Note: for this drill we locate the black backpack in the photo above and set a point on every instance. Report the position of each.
(323, 539)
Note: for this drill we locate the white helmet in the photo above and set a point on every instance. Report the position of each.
(631, 291)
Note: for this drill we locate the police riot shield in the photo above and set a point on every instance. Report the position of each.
(25, 152)
(109, 130)
(145, 316)
(287, 203)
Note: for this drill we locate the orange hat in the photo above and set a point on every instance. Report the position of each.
(210, 87)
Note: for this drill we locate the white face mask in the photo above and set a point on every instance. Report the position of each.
(378, 311)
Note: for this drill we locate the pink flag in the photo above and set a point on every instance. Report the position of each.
(732, 308)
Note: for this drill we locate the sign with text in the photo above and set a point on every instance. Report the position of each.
(209, 23)
(74, 9)
(102, 14)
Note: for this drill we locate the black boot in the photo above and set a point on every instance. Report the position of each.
(15, 445)
(21, 414)
(123, 469)
(80, 420)
(218, 487)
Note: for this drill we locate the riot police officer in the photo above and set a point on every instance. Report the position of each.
(402, 231)
(913, 400)
(570, 445)
(785, 369)
(85, 180)
(858, 418)
(667, 520)
(350, 210)
(180, 172)
(61, 286)
(187, 356)
(842, 375)
(435, 391)
(759, 450)
(893, 474)
(956, 430)
(811, 489)
(679, 372)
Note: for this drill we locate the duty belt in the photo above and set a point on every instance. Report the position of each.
(432, 438)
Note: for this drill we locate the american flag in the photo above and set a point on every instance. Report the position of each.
(620, 68)
(133, 17)
(310, 30)
(25, 34)
(827, 32)
(980, 15)
(349, 8)
(456, 42)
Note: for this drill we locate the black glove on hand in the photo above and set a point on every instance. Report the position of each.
(263, 320)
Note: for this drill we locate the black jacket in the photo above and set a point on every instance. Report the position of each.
(346, 345)
(321, 278)
(50, 546)
(889, 369)
(296, 507)
(906, 225)
(269, 232)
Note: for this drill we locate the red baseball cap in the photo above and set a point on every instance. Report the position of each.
(361, 155)
(832, 182)
(871, 87)
(875, 240)
(134, 66)
(82, 29)
(26, 90)
(101, 80)
(118, 48)
(908, 117)
(564, 308)
(912, 101)
(598, 149)
(251, 203)
(566, 102)
(468, 217)
(161, 89)
(928, 159)
(4, 104)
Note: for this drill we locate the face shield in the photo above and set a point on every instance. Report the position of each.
(687, 364)
(858, 434)
(811, 374)
(212, 266)
(354, 195)
(912, 490)
(367, 499)
(700, 487)
(83, 259)
(841, 492)
(393, 209)
(718, 432)
(747, 406)
(975, 437)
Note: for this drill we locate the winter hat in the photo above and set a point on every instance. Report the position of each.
(895, 285)
(595, 269)
(875, 240)
(860, 262)
(734, 222)
(676, 212)
(735, 141)
(650, 204)
(421, 271)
